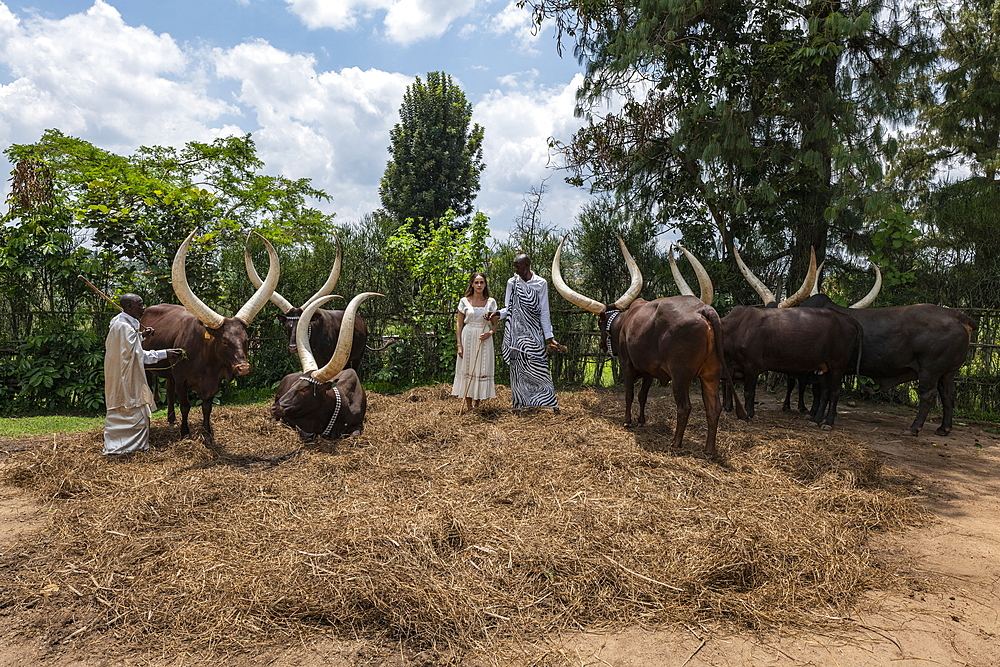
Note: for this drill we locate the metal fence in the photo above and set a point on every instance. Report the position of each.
(424, 352)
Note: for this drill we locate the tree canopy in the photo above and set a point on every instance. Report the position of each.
(437, 157)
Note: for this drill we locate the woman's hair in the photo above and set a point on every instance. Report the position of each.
(470, 290)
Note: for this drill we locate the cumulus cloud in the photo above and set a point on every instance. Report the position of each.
(91, 73)
(519, 122)
(333, 126)
(405, 21)
(517, 22)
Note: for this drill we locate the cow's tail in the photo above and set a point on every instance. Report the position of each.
(970, 323)
(720, 351)
(384, 347)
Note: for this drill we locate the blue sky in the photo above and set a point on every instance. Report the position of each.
(317, 82)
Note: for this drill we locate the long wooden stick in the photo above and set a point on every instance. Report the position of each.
(475, 361)
(103, 295)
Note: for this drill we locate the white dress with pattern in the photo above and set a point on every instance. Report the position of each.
(482, 383)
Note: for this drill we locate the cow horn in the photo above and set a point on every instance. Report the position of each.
(704, 281)
(807, 284)
(754, 281)
(264, 292)
(635, 286)
(570, 295)
(815, 289)
(278, 300)
(178, 278)
(870, 297)
(344, 341)
(331, 280)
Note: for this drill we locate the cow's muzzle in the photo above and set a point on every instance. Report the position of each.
(241, 369)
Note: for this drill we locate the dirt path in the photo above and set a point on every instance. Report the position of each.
(952, 620)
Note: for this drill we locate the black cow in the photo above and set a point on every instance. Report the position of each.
(215, 346)
(326, 401)
(324, 325)
(792, 340)
(673, 339)
(922, 342)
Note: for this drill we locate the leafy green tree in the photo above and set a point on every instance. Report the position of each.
(436, 157)
(767, 121)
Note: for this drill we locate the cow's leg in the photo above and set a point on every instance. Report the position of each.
(207, 434)
(749, 391)
(787, 405)
(805, 381)
(820, 406)
(947, 389)
(185, 404)
(628, 378)
(727, 395)
(171, 387)
(682, 397)
(713, 409)
(927, 390)
(643, 392)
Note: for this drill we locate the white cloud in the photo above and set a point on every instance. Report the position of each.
(517, 22)
(405, 22)
(91, 73)
(518, 125)
(333, 126)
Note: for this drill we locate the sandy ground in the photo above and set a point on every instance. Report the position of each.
(951, 618)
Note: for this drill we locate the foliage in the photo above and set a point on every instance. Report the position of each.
(436, 158)
(59, 368)
(768, 120)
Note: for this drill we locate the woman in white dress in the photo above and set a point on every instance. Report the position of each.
(474, 365)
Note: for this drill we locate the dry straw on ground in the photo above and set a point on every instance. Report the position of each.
(464, 534)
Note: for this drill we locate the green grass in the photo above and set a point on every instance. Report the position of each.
(18, 427)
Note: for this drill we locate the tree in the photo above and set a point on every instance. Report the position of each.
(436, 158)
(766, 121)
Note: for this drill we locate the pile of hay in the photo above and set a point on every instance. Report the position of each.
(466, 533)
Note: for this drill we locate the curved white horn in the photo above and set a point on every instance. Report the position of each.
(755, 282)
(635, 286)
(570, 295)
(344, 341)
(682, 285)
(178, 278)
(870, 297)
(264, 292)
(704, 281)
(810, 280)
(306, 358)
(331, 280)
(278, 300)
(815, 289)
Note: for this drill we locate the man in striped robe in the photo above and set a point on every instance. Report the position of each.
(527, 331)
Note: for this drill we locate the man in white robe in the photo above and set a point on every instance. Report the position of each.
(524, 338)
(126, 393)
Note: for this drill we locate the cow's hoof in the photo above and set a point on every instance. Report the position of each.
(943, 431)
(627, 424)
(912, 431)
(826, 427)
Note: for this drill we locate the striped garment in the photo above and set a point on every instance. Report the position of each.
(528, 327)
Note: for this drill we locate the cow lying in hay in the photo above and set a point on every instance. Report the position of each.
(328, 402)
(673, 339)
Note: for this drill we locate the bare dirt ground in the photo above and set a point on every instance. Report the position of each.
(949, 616)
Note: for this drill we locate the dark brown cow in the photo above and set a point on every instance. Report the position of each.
(923, 342)
(673, 339)
(327, 402)
(792, 341)
(215, 346)
(324, 326)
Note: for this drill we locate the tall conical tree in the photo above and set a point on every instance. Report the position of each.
(436, 157)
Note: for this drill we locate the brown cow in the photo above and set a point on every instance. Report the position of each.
(328, 402)
(215, 346)
(673, 339)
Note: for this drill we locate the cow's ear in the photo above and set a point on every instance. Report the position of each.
(315, 317)
(279, 318)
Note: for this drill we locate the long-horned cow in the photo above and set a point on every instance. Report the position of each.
(672, 339)
(323, 325)
(922, 342)
(326, 401)
(215, 346)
